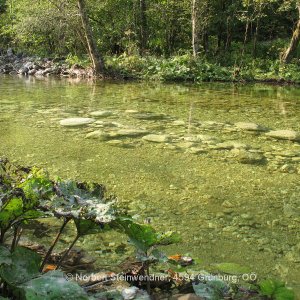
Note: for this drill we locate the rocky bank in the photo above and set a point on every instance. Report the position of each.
(22, 64)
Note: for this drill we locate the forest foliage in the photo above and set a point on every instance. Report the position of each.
(226, 33)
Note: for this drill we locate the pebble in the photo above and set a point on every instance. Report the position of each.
(284, 135)
(101, 113)
(73, 122)
(157, 138)
(99, 135)
(250, 126)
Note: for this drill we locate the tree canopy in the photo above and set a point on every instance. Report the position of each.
(222, 30)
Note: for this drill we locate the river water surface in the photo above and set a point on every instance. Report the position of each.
(232, 192)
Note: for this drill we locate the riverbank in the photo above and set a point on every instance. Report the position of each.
(21, 64)
(174, 69)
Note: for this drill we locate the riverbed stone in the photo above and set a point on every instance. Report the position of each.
(231, 145)
(207, 139)
(247, 126)
(131, 111)
(197, 150)
(186, 145)
(150, 116)
(157, 138)
(101, 123)
(101, 113)
(115, 142)
(290, 135)
(246, 157)
(211, 125)
(178, 123)
(122, 133)
(74, 122)
(99, 135)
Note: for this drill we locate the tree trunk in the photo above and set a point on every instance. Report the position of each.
(96, 59)
(288, 54)
(143, 26)
(255, 39)
(195, 28)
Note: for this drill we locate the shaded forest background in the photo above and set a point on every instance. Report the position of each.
(223, 32)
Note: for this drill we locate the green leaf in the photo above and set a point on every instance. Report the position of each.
(211, 290)
(80, 201)
(52, 285)
(269, 286)
(276, 289)
(24, 266)
(85, 227)
(5, 256)
(144, 236)
(37, 185)
(141, 235)
(33, 214)
(168, 238)
(232, 268)
(160, 256)
(11, 211)
(17, 209)
(284, 293)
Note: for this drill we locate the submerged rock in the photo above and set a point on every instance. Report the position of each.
(246, 157)
(101, 113)
(107, 124)
(290, 135)
(206, 139)
(250, 126)
(157, 138)
(149, 116)
(131, 111)
(197, 150)
(73, 122)
(128, 133)
(99, 135)
(178, 123)
(230, 145)
(186, 145)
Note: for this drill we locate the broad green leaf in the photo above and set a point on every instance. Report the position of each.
(11, 211)
(85, 227)
(72, 200)
(24, 266)
(269, 286)
(211, 290)
(232, 268)
(160, 256)
(33, 214)
(37, 185)
(141, 235)
(50, 286)
(17, 209)
(5, 256)
(276, 289)
(284, 293)
(168, 238)
(144, 236)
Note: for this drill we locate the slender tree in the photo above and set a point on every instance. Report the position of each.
(195, 27)
(288, 54)
(143, 26)
(96, 59)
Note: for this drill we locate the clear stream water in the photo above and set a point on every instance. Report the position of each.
(238, 205)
